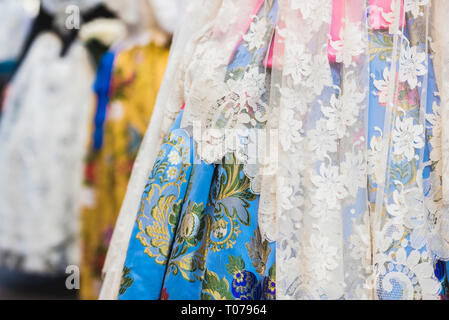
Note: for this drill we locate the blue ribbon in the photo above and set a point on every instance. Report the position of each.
(101, 88)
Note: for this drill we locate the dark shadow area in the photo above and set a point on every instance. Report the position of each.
(20, 286)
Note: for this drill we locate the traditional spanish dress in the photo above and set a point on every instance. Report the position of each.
(198, 228)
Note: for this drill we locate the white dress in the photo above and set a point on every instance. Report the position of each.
(43, 136)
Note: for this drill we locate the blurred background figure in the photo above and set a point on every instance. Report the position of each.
(68, 137)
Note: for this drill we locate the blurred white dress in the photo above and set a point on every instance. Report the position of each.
(43, 136)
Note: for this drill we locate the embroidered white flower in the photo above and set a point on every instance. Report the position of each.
(172, 173)
(408, 208)
(407, 136)
(321, 256)
(88, 197)
(297, 63)
(322, 210)
(330, 186)
(291, 98)
(412, 65)
(360, 241)
(353, 171)
(321, 140)
(375, 157)
(352, 97)
(291, 130)
(339, 116)
(306, 7)
(317, 11)
(435, 140)
(174, 158)
(285, 192)
(255, 38)
(382, 87)
(254, 83)
(320, 75)
(247, 92)
(414, 274)
(351, 43)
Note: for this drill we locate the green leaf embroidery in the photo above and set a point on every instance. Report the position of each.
(126, 282)
(235, 264)
(215, 288)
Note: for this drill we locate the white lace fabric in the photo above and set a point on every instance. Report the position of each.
(322, 155)
(225, 110)
(332, 242)
(43, 141)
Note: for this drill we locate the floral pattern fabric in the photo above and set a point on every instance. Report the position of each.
(197, 230)
(410, 274)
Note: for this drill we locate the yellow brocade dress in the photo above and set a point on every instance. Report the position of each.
(135, 81)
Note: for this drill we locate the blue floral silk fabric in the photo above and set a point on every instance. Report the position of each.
(196, 234)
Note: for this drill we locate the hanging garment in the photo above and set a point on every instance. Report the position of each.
(136, 77)
(43, 136)
(349, 195)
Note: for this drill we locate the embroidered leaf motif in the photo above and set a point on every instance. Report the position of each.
(231, 197)
(215, 288)
(126, 281)
(156, 237)
(272, 272)
(234, 206)
(174, 215)
(258, 251)
(235, 264)
(381, 46)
